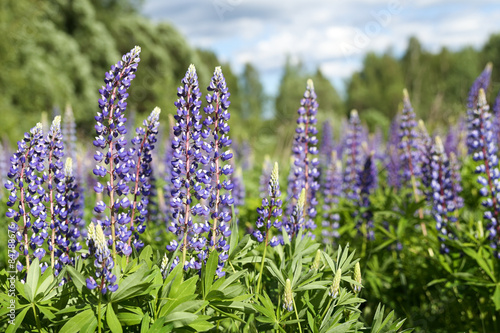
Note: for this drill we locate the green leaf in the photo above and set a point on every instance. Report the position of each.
(77, 322)
(78, 279)
(180, 319)
(31, 284)
(17, 322)
(46, 311)
(496, 298)
(146, 255)
(113, 322)
(209, 271)
(132, 286)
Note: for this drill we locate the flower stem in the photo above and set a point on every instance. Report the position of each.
(296, 314)
(38, 326)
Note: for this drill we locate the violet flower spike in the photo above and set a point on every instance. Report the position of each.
(189, 180)
(442, 193)
(55, 151)
(110, 130)
(270, 211)
(104, 278)
(354, 156)
(305, 165)
(26, 165)
(366, 182)
(483, 147)
(142, 173)
(217, 132)
(331, 194)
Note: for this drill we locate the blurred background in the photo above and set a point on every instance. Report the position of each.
(360, 54)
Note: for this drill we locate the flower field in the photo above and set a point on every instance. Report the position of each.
(167, 227)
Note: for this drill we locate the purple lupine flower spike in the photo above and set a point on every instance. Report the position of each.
(366, 182)
(269, 211)
(217, 132)
(327, 144)
(424, 147)
(442, 193)
(305, 166)
(393, 159)
(331, 194)
(483, 147)
(26, 165)
(456, 179)
(141, 177)
(69, 219)
(98, 246)
(354, 157)
(55, 151)
(189, 180)
(168, 187)
(408, 144)
(110, 140)
(482, 82)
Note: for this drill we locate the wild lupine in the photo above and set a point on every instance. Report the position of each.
(288, 296)
(110, 130)
(305, 165)
(356, 277)
(69, 218)
(335, 287)
(366, 182)
(482, 82)
(424, 147)
(483, 146)
(331, 194)
(408, 145)
(327, 145)
(353, 155)
(189, 180)
(393, 159)
(442, 192)
(220, 199)
(496, 117)
(456, 179)
(269, 211)
(98, 247)
(26, 165)
(141, 175)
(55, 153)
(297, 219)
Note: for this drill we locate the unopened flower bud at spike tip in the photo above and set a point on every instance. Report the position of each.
(302, 200)
(68, 167)
(317, 261)
(357, 278)
(481, 98)
(354, 113)
(56, 123)
(310, 84)
(275, 173)
(405, 94)
(191, 70)
(439, 145)
(334, 289)
(288, 296)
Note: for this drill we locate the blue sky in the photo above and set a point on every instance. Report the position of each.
(331, 34)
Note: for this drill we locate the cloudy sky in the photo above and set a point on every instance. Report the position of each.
(331, 34)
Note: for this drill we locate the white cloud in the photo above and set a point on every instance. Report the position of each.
(331, 34)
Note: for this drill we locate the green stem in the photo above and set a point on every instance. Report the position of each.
(326, 310)
(262, 266)
(296, 314)
(38, 326)
(99, 313)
